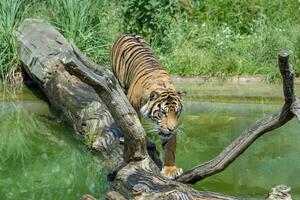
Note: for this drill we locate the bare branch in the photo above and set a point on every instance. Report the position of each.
(239, 145)
(287, 74)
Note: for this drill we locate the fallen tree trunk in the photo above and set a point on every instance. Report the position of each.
(74, 84)
(45, 53)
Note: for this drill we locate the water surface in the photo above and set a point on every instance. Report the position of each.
(40, 159)
(215, 114)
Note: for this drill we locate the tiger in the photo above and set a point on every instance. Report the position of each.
(150, 91)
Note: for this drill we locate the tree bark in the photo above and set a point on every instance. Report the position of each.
(45, 55)
(107, 87)
(90, 98)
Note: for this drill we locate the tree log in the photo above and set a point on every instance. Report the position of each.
(45, 55)
(280, 192)
(90, 98)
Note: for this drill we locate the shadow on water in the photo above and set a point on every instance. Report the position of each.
(39, 158)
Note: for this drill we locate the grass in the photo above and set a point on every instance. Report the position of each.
(11, 14)
(235, 38)
(211, 38)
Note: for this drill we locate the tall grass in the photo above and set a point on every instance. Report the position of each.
(92, 25)
(233, 37)
(73, 17)
(190, 37)
(11, 13)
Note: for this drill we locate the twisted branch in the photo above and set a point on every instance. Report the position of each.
(290, 109)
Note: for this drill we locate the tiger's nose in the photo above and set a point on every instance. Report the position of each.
(171, 129)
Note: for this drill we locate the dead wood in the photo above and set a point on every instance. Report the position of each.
(290, 109)
(91, 99)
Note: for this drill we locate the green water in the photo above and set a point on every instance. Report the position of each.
(39, 159)
(210, 123)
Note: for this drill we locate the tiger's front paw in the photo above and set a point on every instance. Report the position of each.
(171, 172)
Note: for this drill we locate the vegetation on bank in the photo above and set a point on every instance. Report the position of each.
(190, 37)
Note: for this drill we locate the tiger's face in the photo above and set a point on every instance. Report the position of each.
(164, 109)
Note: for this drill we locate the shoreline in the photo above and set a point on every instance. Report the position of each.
(230, 79)
(213, 79)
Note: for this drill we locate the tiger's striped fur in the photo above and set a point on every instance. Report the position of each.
(149, 89)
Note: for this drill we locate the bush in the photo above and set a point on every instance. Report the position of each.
(190, 37)
(150, 19)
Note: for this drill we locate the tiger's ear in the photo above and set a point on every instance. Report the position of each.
(182, 94)
(153, 96)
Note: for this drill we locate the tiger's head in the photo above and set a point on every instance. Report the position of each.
(164, 109)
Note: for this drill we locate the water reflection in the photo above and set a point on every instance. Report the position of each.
(39, 158)
(210, 126)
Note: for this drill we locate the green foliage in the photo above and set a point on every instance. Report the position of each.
(222, 38)
(89, 24)
(190, 37)
(72, 17)
(93, 25)
(241, 16)
(151, 19)
(11, 13)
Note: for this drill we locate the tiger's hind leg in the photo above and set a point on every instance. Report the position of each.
(169, 149)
